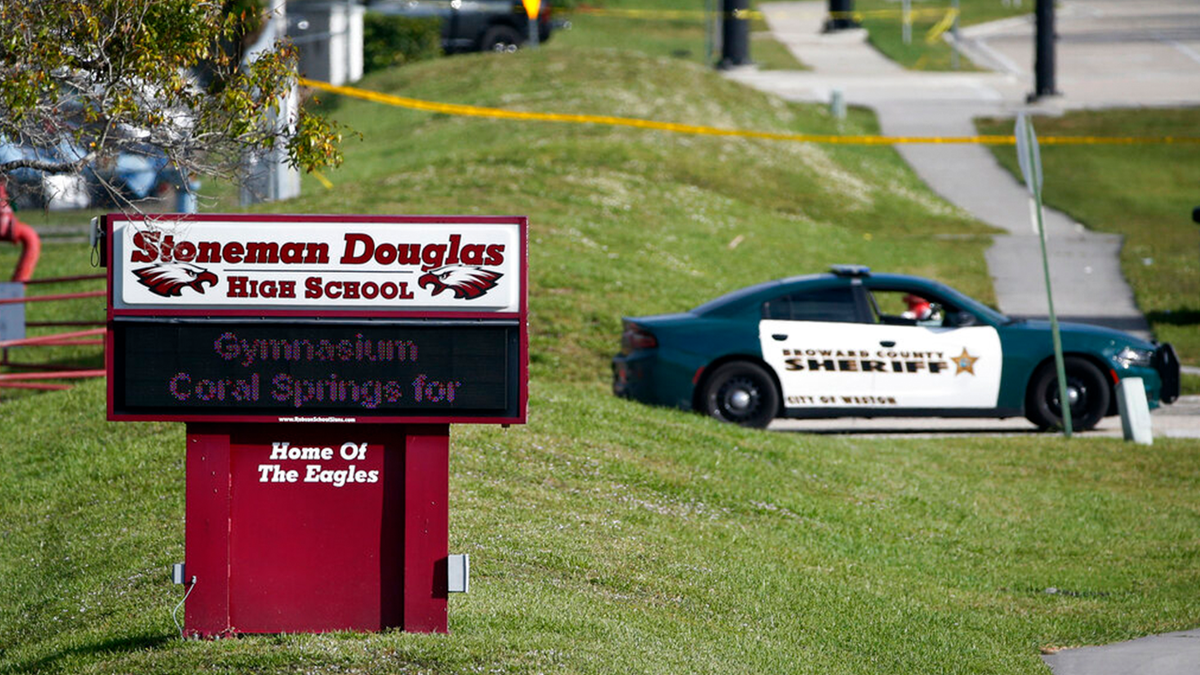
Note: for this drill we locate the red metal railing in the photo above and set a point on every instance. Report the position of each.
(14, 231)
(32, 373)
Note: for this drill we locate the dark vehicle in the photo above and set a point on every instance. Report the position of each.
(474, 25)
(856, 344)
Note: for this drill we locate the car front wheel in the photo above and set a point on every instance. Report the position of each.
(741, 393)
(1087, 390)
(500, 39)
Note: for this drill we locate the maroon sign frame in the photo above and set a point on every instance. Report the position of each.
(447, 309)
(294, 523)
(265, 555)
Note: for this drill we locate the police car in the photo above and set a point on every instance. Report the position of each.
(852, 343)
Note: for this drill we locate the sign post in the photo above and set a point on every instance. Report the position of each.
(1030, 159)
(318, 362)
(906, 21)
(532, 9)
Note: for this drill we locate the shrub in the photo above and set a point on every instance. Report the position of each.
(395, 40)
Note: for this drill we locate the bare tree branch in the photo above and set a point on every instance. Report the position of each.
(48, 166)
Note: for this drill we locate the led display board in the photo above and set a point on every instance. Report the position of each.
(364, 264)
(315, 372)
(317, 319)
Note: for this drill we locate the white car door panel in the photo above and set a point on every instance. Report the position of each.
(939, 368)
(819, 364)
(854, 365)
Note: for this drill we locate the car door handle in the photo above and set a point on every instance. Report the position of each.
(887, 343)
(779, 337)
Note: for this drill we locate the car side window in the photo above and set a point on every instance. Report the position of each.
(910, 308)
(831, 304)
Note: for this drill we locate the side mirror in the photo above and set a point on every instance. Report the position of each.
(963, 319)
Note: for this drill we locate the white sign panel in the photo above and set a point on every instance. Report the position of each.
(325, 263)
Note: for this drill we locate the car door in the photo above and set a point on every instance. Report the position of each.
(815, 342)
(931, 355)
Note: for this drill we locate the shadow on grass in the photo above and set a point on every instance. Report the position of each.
(52, 662)
(1184, 316)
(37, 370)
(923, 432)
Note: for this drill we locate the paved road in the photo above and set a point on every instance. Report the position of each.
(1181, 420)
(1167, 654)
(1112, 53)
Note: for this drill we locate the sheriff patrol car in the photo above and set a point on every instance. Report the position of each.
(853, 343)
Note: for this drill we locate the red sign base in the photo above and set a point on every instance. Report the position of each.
(315, 528)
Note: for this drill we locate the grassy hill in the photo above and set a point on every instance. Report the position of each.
(616, 212)
(608, 536)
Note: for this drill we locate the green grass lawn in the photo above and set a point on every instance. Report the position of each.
(609, 536)
(612, 537)
(882, 20)
(682, 35)
(1144, 192)
(709, 215)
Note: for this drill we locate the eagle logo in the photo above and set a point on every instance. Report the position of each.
(466, 281)
(169, 279)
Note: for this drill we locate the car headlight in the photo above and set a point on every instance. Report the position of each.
(1130, 356)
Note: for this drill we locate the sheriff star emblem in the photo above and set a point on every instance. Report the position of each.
(965, 362)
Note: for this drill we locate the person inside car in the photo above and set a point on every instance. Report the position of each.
(919, 308)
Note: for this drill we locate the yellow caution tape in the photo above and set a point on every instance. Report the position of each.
(941, 27)
(500, 113)
(697, 14)
(323, 180)
(664, 14)
(858, 15)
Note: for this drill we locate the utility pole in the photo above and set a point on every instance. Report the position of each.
(954, 34)
(735, 33)
(1044, 56)
(840, 16)
(710, 32)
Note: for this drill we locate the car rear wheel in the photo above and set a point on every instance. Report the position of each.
(500, 39)
(1087, 390)
(741, 393)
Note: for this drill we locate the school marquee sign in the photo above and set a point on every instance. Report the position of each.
(317, 318)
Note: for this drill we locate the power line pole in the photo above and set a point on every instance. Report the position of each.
(840, 16)
(1044, 52)
(735, 33)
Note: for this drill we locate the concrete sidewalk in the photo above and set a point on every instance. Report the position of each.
(1085, 270)
(1167, 654)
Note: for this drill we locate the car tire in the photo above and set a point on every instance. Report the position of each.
(500, 39)
(1089, 392)
(741, 393)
